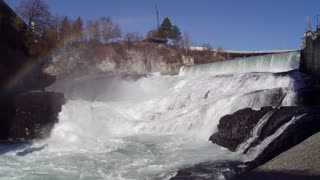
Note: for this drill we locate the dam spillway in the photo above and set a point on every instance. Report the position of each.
(280, 62)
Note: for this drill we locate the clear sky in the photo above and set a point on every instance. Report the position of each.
(231, 24)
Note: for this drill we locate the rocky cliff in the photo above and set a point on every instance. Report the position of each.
(79, 59)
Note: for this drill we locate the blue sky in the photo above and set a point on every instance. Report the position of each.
(231, 24)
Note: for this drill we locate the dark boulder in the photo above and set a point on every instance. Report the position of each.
(295, 133)
(36, 114)
(7, 112)
(237, 128)
(210, 170)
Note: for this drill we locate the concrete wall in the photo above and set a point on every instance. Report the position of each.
(310, 56)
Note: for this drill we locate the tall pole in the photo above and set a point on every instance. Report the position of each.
(318, 22)
(158, 23)
(309, 24)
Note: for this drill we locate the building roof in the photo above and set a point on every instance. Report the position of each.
(155, 40)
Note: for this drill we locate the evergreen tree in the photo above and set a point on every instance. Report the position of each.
(93, 32)
(77, 28)
(169, 31)
(175, 35)
(165, 28)
(65, 30)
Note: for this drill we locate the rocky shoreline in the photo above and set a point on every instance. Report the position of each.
(237, 128)
(301, 162)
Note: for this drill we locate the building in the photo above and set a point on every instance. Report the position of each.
(156, 40)
(12, 29)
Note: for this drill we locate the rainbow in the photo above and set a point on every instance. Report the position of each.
(31, 64)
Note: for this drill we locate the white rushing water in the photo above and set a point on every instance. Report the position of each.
(160, 124)
(269, 63)
(255, 132)
(256, 151)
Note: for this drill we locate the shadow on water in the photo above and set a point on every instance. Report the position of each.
(306, 87)
(278, 175)
(21, 148)
(30, 150)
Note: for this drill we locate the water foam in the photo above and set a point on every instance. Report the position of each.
(158, 125)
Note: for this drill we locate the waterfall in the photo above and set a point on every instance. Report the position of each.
(255, 133)
(268, 63)
(156, 124)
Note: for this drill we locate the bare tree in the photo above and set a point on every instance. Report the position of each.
(186, 42)
(35, 13)
(207, 51)
(93, 33)
(132, 37)
(56, 24)
(109, 29)
(220, 53)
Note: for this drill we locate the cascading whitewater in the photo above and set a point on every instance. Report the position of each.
(269, 63)
(158, 125)
(256, 151)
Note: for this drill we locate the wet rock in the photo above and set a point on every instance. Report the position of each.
(36, 114)
(7, 112)
(235, 128)
(210, 170)
(299, 162)
(297, 132)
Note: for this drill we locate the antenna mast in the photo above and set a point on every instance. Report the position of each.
(318, 22)
(158, 24)
(309, 24)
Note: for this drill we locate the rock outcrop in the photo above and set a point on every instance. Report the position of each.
(298, 163)
(209, 171)
(236, 128)
(21, 73)
(284, 128)
(80, 59)
(36, 114)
